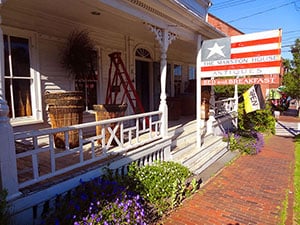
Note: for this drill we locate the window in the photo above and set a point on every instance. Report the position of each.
(192, 73)
(18, 78)
(22, 80)
(177, 79)
(143, 53)
(89, 85)
(177, 71)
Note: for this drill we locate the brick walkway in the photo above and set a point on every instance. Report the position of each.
(249, 191)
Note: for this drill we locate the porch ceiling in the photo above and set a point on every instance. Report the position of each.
(126, 17)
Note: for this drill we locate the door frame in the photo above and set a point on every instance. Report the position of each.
(148, 59)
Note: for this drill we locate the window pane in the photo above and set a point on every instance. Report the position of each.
(6, 54)
(192, 73)
(8, 96)
(177, 70)
(88, 84)
(20, 56)
(89, 89)
(22, 98)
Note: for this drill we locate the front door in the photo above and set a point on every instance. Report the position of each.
(143, 83)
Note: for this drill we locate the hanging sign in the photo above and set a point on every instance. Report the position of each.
(242, 55)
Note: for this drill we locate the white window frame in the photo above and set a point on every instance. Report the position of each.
(35, 86)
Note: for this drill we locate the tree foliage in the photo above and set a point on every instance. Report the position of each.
(228, 90)
(291, 78)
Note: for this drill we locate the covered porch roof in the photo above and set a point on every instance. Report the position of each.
(125, 17)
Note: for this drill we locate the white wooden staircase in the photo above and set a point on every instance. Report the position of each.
(184, 151)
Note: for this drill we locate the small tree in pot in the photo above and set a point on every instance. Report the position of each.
(66, 108)
(77, 54)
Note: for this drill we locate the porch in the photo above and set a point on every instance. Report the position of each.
(33, 169)
(44, 172)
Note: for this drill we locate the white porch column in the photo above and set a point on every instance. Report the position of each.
(236, 104)
(8, 165)
(198, 90)
(164, 38)
(212, 108)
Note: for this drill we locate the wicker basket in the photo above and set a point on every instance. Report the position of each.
(108, 111)
(65, 109)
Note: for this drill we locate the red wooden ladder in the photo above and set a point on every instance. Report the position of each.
(119, 78)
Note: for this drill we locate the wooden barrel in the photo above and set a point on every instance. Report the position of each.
(65, 109)
(108, 111)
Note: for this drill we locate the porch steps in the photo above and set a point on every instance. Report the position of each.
(183, 138)
(184, 149)
(212, 149)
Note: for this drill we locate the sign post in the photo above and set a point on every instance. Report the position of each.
(198, 92)
(240, 57)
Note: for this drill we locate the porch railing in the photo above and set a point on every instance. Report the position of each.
(39, 160)
(225, 106)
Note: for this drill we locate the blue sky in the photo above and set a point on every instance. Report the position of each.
(251, 16)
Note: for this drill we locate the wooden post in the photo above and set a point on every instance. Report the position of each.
(8, 165)
(198, 90)
(164, 37)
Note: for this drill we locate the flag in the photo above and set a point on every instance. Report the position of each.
(242, 55)
(253, 99)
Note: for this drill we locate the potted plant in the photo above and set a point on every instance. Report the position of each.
(76, 56)
(66, 108)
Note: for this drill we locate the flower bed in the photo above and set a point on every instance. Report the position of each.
(245, 141)
(141, 197)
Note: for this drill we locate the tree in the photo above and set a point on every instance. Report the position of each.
(228, 90)
(291, 78)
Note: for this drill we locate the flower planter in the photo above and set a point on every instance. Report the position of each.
(65, 109)
(108, 111)
(277, 114)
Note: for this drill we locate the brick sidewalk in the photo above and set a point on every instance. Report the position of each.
(249, 191)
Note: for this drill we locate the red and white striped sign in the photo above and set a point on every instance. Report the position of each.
(243, 55)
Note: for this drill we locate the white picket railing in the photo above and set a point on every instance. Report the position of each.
(38, 159)
(225, 106)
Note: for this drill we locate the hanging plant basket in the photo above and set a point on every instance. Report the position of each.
(77, 54)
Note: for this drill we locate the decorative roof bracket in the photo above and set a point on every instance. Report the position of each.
(160, 36)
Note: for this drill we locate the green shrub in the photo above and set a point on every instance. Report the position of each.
(260, 120)
(140, 197)
(162, 184)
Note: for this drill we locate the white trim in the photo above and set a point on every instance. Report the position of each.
(35, 87)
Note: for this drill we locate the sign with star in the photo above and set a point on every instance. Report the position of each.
(242, 55)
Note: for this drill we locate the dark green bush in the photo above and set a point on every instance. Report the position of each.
(140, 197)
(161, 184)
(260, 120)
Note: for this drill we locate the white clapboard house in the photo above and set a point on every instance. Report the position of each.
(158, 43)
